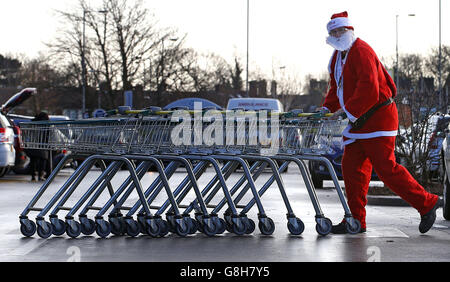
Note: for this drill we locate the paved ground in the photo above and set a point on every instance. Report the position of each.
(392, 232)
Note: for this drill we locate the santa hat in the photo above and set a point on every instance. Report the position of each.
(339, 20)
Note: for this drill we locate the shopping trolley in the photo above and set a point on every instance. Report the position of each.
(311, 129)
(147, 139)
(111, 138)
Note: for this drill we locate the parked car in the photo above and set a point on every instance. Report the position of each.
(189, 104)
(255, 104)
(435, 143)
(445, 172)
(12, 154)
(58, 135)
(319, 171)
(260, 104)
(7, 151)
(422, 142)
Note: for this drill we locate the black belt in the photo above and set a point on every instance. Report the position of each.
(362, 119)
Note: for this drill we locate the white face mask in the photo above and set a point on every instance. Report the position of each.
(342, 43)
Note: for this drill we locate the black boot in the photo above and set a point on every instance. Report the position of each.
(427, 220)
(341, 229)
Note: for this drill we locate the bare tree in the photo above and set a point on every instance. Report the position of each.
(289, 86)
(236, 78)
(116, 39)
(432, 64)
(203, 72)
(135, 36)
(412, 67)
(40, 74)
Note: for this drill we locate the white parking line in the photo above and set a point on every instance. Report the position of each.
(27, 247)
(385, 232)
(24, 248)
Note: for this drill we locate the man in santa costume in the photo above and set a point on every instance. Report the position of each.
(361, 89)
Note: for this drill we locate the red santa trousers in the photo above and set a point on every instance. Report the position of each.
(357, 162)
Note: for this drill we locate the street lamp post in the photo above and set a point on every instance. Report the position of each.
(163, 79)
(83, 58)
(396, 49)
(283, 76)
(248, 23)
(83, 65)
(440, 62)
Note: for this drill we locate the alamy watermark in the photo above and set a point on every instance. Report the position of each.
(234, 128)
(374, 254)
(74, 254)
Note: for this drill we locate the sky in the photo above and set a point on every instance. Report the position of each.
(286, 37)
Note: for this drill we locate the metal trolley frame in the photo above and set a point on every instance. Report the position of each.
(139, 140)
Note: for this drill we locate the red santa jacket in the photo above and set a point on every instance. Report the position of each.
(366, 83)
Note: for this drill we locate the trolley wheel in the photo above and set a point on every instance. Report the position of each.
(209, 230)
(45, 233)
(132, 228)
(73, 232)
(353, 228)
(239, 229)
(325, 228)
(163, 227)
(103, 228)
(249, 225)
(199, 225)
(181, 229)
(60, 228)
(221, 225)
(266, 230)
(152, 230)
(298, 229)
(193, 225)
(118, 227)
(28, 231)
(88, 228)
(228, 227)
(141, 223)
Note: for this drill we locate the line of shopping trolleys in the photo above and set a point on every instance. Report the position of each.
(186, 143)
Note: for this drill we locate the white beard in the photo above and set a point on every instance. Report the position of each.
(344, 42)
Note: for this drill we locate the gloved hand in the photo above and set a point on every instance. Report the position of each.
(323, 110)
(320, 113)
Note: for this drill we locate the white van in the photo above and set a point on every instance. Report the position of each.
(255, 104)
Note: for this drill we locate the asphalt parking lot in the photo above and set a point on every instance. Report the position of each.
(392, 233)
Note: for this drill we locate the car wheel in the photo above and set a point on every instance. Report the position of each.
(441, 170)
(446, 195)
(3, 171)
(317, 180)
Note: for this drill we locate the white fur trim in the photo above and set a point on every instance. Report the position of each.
(369, 135)
(349, 115)
(331, 61)
(348, 141)
(338, 22)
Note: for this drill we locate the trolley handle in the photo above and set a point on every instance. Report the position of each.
(158, 112)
